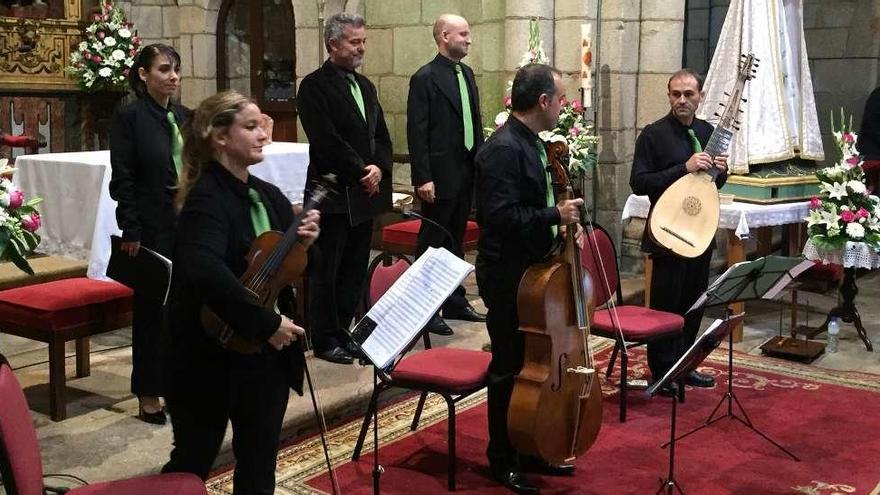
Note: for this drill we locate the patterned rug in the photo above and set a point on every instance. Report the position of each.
(830, 419)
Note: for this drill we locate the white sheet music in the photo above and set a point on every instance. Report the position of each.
(401, 313)
(787, 278)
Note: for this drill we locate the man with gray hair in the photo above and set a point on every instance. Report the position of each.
(444, 131)
(340, 113)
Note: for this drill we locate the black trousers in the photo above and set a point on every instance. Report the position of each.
(676, 284)
(147, 333)
(253, 398)
(336, 278)
(452, 214)
(498, 287)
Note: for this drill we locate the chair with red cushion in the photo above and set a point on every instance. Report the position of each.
(22, 469)
(452, 373)
(628, 325)
(402, 237)
(60, 311)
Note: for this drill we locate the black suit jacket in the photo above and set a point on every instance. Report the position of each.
(340, 142)
(515, 221)
(435, 130)
(216, 233)
(143, 177)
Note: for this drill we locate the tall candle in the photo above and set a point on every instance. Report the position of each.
(587, 64)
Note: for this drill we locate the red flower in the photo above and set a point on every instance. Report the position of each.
(815, 202)
(31, 222)
(863, 213)
(848, 138)
(853, 160)
(847, 216)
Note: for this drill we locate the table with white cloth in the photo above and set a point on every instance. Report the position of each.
(852, 256)
(742, 221)
(79, 216)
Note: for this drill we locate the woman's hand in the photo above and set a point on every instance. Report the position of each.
(310, 228)
(286, 334)
(130, 247)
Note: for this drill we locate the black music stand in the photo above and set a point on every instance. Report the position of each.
(762, 278)
(674, 379)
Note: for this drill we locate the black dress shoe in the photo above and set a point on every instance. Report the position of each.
(466, 313)
(154, 418)
(531, 464)
(437, 326)
(697, 379)
(335, 355)
(666, 391)
(516, 482)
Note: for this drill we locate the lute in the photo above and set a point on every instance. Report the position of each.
(686, 216)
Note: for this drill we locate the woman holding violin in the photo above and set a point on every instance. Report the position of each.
(223, 210)
(519, 219)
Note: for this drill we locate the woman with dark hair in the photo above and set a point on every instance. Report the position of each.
(224, 209)
(145, 155)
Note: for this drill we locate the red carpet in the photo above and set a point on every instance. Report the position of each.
(827, 418)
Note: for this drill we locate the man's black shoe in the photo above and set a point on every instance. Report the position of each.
(531, 464)
(335, 355)
(437, 326)
(697, 379)
(466, 313)
(516, 482)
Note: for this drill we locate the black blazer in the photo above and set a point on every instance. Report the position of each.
(435, 131)
(143, 177)
(215, 236)
(515, 221)
(340, 142)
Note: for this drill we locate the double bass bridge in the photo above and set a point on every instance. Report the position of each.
(581, 370)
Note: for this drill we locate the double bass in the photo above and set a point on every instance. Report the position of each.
(556, 407)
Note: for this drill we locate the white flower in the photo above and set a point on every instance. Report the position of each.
(110, 41)
(857, 186)
(855, 230)
(118, 55)
(125, 33)
(835, 191)
(83, 46)
(5, 219)
(501, 118)
(105, 72)
(97, 46)
(4, 199)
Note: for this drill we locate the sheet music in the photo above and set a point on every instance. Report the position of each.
(714, 285)
(401, 313)
(786, 279)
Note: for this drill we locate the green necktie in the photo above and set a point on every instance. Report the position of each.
(466, 118)
(695, 143)
(259, 217)
(551, 201)
(356, 94)
(176, 143)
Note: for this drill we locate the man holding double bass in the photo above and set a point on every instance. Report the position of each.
(517, 213)
(665, 151)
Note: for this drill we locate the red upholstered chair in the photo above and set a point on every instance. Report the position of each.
(60, 311)
(402, 237)
(452, 373)
(22, 470)
(628, 325)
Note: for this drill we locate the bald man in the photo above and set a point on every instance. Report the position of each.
(444, 130)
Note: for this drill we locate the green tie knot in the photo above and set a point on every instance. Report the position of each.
(356, 94)
(695, 143)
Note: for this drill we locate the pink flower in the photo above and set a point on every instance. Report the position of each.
(97, 59)
(574, 131)
(815, 203)
(132, 52)
(30, 222)
(100, 35)
(848, 138)
(136, 40)
(96, 17)
(853, 160)
(576, 105)
(862, 213)
(507, 102)
(847, 216)
(105, 17)
(16, 199)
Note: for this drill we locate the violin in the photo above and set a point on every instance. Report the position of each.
(556, 407)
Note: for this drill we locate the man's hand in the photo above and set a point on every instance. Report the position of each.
(287, 332)
(370, 182)
(699, 161)
(130, 248)
(310, 228)
(426, 192)
(721, 162)
(569, 211)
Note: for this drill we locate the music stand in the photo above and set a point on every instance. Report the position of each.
(762, 278)
(674, 379)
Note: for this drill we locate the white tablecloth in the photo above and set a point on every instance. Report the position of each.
(78, 215)
(739, 217)
(852, 255)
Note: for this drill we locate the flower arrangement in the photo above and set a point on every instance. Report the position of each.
(101, 61)
(572, 128)
(844, 210)
(19, 221)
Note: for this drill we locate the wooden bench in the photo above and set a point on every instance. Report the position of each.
(46, 269)
(60, 311)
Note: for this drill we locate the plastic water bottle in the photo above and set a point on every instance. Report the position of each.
(833, 339)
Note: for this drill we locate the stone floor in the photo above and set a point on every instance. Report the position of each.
(102, 439)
